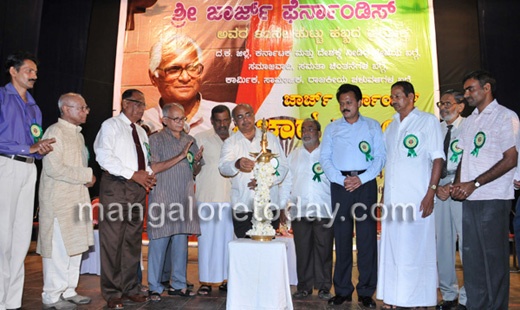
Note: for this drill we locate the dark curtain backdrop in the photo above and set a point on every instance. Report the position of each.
(499, 26)
(75, 41)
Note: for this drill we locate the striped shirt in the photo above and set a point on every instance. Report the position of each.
(172, 207)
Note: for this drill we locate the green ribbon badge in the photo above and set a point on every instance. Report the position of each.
(454, 147)
(149, 154)
(276, 164)
(316, 168)
(480, 139)
(365, 148)
(190, 159)
(411, 142)
(36, 131)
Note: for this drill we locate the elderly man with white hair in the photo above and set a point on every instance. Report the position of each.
(176, 70)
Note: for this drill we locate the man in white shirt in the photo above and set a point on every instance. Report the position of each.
(122, 151)
(407, 260)
(306, 189)
(213, 194)
(484, 182)
(237, 163)
(176, 68)
(448, 212)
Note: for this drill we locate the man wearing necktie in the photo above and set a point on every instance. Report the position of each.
(448, 212)
(122, 151)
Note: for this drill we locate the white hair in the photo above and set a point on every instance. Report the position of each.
(167, 107)
(167, 45)
(68, 99)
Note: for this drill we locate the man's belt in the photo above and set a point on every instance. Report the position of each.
(114, 177)
(24, 159)
(352, 173)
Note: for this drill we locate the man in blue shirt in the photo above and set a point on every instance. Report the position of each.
(20, 145)
(352, 155)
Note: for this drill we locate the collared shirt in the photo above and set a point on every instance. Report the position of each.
(211, 186)
(238, 146)
(115, 148)
(411, 147)
(16, 118)
(341, 149)
(499, 126)
(454, 154)
(306, 185)
(199, 122)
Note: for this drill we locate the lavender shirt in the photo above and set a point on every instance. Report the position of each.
(16, 118)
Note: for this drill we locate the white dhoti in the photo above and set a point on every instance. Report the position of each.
(216, 227)
(407, 275)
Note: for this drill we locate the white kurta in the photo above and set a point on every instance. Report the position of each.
(213, 194)
(407, 274)
(62, 190)
(238, 146)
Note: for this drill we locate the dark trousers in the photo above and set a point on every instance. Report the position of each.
(485, 224)
(242, 222)
(120, 236)
(366, 238)
(313, 242)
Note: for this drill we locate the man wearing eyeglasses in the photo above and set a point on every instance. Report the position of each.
(65, 229)
(176, 70)
(172, 215)
(122, 151)
(237, 163)
(448, 212)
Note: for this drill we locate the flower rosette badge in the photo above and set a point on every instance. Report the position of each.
(190, 159)
(456, 152)
(478, 141)
(317, 170)
(36, 132)
(411, 142)
(365, 148)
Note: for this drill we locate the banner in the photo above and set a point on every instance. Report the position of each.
(287, 58)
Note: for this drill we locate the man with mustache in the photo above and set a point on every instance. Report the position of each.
(237, 163)
(352, 155)
(448, 212)
(307, 191)
(484, 182)
(20, 144)
(407, 274)
(213, 194)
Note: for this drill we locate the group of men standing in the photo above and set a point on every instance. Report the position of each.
(471, 174)
(466, 163)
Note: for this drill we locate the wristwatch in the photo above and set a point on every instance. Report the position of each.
(477, 184)
(434, 187)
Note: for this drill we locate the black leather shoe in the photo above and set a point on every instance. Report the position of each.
(447, 305)
(367, 302)
(302, 294)
(338, 300)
